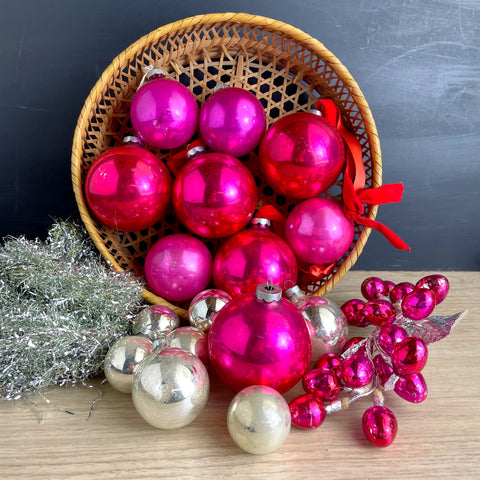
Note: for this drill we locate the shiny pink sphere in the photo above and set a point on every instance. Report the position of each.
(253, 256)
(379, 312)
(307, 411)
(400, 290)
(318, 231)
(233, 121)
(164, 113)
(353, 310)
(301, 155)
(412, 388)
(438, 284)
(373, 288)
(214, 195)
(357, 371)
(389, 336)
(380, 425)
(409, 356)
(325, 384)
(252, 342)
(128, 188)
(418, 304)
(329, 361)
(178, 267)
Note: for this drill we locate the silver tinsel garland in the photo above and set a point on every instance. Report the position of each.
(61, 308)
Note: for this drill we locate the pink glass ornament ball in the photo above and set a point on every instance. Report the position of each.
(301, 155)
(409, 356)
(318, 231)
(164, 113)
(254, 342)
(412, 388)
(389, 336)
(379, 312)
(353, 310)
(178, 267)
(357, 371)
(438, 284)
(323, 383)
(400, 290)
(128, 188)
(418, 304)
(307, 411)
(233, 121)
(373, 288)
(329, 361)
(253, 256)
(214, 195)
(380, 425)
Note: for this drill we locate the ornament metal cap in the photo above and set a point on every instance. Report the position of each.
(268, 292)
(315, 112)
(194, 151)
(261, 221)
(132, 139)
(220, 86)
(154, 71)
(292, 291)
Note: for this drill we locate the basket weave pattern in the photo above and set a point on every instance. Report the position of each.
(285, 68)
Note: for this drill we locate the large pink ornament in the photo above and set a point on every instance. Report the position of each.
(128, 188)
(318, 231)
(259, 342)
(380, 425)
(301, 155)
(164, 112)
(233, 121)
(178, 267)
(214, 195)
(254, 256)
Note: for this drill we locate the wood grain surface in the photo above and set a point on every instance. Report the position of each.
(438, 438)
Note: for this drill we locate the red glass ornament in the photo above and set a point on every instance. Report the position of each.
(373, 288)
(389, 336)
(254, 256)
(322, 383)
(301, 155)
(318, 231)
(164, 112)
(412, 388)
(233, 121)
(418, 304)
(409, 356)
(353, 310)
(128, 188)
(357, 371)
(255, 342)
(307, 412)
(178, 267)
(383, 369)
(214, 195)
(380, 425)
(329, 361)
(438, 284)
(379, 312)
(353, 341)
(400, 290)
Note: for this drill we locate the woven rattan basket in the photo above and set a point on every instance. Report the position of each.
(285, 68)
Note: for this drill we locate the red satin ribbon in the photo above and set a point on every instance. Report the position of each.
(178, 160)
(354, 193)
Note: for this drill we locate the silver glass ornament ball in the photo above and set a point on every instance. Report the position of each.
(170, 388)
(123, 358)
(327, 324)
(205, 306)
(191, 340)
(155, 321)
(258, 419)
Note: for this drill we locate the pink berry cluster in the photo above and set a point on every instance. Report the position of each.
(390, 358)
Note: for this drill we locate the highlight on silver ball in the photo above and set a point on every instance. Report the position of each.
(205, 306)
(155, 321)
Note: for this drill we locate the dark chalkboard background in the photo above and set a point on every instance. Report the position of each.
(417, 63)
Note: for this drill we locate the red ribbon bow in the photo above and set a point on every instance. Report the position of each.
(354, 193)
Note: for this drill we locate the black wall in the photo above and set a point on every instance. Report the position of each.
(417, 63)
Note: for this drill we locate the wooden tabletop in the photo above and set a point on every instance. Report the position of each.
(439, 438)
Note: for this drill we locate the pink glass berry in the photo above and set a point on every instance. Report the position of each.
(412, 388)
(307, 411)
(438, 284)
(322, 383)
(409, 356)
(357, 371)
(379, 312)
(390, 285)
(400, 290)
(353, 310)
(374, 287)
(389, 336)
(353, 341)
(329, 361)
(380, 426)
(418, 304)
(383, 369)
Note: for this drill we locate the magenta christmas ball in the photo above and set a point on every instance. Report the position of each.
(178, 267)
(301, 155)
(253, 256)
(318, 231)
(214, 195)
(255, 340)
(233, 121)
(128, 188)
(164, 113)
